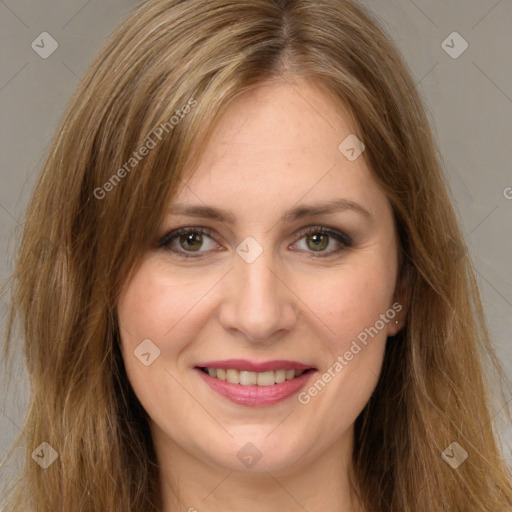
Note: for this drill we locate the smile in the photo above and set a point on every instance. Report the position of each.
(248, 378)
(252, 388)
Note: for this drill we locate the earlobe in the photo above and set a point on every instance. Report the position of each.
(393, 328)
(400, 304)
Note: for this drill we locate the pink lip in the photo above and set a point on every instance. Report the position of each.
(255, 395)
(253, 366)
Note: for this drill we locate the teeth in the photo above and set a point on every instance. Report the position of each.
(280, 376)
(246, 378)
(265, 378)
(233, 376)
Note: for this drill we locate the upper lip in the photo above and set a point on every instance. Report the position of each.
(254, 366)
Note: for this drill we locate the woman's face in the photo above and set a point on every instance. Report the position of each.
(288, 261)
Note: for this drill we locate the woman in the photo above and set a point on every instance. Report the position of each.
(242, 284)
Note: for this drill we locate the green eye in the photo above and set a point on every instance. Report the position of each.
(191, 241)
(196, 242)
(188, 240)
(317, 241)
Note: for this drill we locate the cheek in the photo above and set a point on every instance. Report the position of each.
(352, 310)
(152, 310)
(159, 306)
(158, 303)
(350, 301)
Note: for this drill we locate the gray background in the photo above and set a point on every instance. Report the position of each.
(469, 99)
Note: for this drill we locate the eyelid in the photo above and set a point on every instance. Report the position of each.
(341, 237)
(167, 238)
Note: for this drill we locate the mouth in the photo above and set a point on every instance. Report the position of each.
(255, 384)
(249, 378)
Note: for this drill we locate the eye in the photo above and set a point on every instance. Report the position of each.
(193, 242)
(319, 239)
(189, 240)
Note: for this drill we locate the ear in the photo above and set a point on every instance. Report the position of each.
(400, 303)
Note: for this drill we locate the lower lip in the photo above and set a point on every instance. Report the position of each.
(256, 395)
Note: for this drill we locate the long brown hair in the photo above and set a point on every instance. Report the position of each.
(166, 76)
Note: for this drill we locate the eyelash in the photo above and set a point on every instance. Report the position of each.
(342, 238)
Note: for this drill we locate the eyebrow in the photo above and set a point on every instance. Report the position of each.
(297, 213)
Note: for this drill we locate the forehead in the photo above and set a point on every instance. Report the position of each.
(299, 111)
(276, 145)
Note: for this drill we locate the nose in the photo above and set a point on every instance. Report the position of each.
(258, 302)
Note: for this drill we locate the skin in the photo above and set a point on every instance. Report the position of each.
(276, 148)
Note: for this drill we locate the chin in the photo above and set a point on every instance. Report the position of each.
(255, 450)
